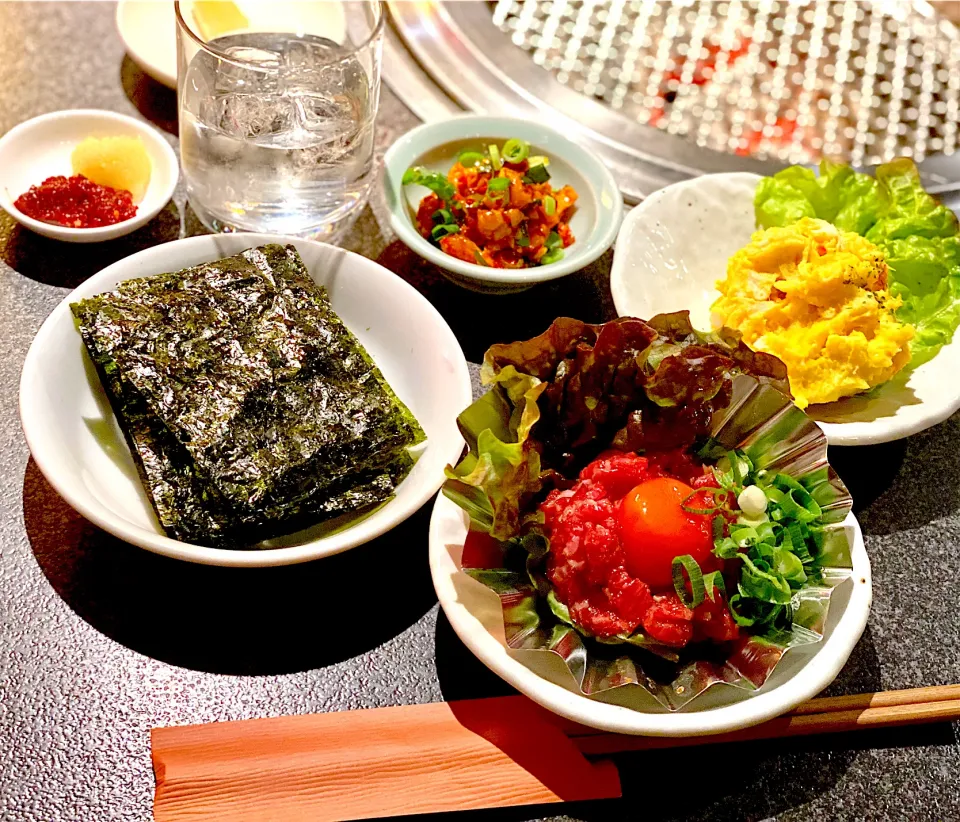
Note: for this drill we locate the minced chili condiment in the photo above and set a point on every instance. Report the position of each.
(76, 202)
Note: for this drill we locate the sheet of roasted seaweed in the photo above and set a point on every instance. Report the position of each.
(249, 405)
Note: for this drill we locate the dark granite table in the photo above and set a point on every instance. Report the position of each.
(100, 641)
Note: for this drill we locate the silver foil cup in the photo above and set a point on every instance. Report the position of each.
(777, 436)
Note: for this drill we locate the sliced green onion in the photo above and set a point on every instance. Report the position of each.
(440, 216)
(549, 206)
(536, 174)
(515, 151)
(495, 157)
(694, 574)
(712, 583)
(740, 618)
(479, 259)
(726, 548)
(437, 183)
(523, 242)
(553, 241)
(443, 230)
(789, 567)
(759, 583)
(538, 160)
(721, 499)
(498, 184)
(552, 256)
(471, 158)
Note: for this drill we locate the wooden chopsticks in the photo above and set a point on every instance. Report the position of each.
(885, 709)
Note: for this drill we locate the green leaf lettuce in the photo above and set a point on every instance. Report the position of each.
(917, 235)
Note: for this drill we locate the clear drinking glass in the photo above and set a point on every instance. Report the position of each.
(277, 118)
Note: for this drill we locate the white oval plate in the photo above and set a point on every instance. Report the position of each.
(79, 448)
(674, 246)
(474, 612)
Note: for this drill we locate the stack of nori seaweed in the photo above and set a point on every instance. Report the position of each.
(250, 408)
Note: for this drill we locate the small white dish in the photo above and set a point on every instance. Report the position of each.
(148, 28)
(78, 446)
(149, 32)
(436, 146)
(674, 246)
(41, 148)
(475, 613)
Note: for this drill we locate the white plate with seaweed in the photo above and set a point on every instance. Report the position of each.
(79, 447)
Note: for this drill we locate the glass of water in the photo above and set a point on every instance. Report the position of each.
(277, 107)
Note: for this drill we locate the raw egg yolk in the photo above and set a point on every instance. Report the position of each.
(654, 529)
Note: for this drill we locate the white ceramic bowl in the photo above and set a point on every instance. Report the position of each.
(148, 28)
(79, 448)
(149, 32)
(595, 219)
(475, 613)
(41, 148)
(674, 246)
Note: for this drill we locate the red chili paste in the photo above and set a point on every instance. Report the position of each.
(76, 202)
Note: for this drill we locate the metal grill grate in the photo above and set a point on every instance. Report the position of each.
(785, 79)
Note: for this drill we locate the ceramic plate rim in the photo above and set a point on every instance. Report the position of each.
(872, 432)
(468, 126)
(154, 70)
(619, 719)
(30, 399)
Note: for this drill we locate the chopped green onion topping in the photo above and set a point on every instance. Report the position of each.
(471, 158)
(536, 174)
(721, 499)
(436, 182)
(552, 256)
(712, 583)
(523, 242)
(440, 216)
(495, 157)
(479, 259)
(538, 160)
(549, 206)
(515, 151)
(694, 596)
(443, 230)
(498, 184)
(554, 241)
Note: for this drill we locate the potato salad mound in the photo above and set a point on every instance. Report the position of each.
(817, 298)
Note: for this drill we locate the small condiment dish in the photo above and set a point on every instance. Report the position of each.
(79, 447)
(674, 246)
(436, 146)
(41, 147)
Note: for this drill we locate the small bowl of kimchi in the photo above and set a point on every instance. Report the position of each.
(500, 204)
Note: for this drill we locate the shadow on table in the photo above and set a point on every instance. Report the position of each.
(461, 675)
(231, 620)
(153, 100)
(779, 774)
(53, 262)
(904, 485)
(480, 320)
(868, 471)
(724, 783)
